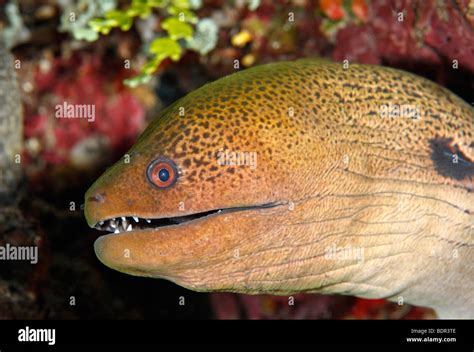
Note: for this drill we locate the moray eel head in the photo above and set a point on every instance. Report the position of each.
(199, 193)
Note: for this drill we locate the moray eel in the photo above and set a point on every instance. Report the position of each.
(301, 176)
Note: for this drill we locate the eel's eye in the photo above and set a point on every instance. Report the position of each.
(162, 173)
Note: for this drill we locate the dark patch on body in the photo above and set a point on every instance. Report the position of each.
(443, 151)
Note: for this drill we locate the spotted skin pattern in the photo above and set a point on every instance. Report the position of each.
(338, 172)
(301, 103)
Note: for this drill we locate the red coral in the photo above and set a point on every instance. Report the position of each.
(426, 32)
(447, 31)
(366, 309)
(83, 80)
(36, 125)
(360, 45)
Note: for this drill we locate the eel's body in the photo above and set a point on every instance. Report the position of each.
(340, 199)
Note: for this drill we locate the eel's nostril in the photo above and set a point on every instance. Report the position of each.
(99, 197)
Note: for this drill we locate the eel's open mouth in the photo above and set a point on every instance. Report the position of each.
(134, 223)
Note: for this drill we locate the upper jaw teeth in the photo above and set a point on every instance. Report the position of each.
(121, 224)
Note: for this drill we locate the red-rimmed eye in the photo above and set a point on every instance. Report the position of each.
(162, 173)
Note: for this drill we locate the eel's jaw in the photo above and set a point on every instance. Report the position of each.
(195, 253)
(128, 223)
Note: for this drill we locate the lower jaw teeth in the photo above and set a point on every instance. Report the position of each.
(128, 229)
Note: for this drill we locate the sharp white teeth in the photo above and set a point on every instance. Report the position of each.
(148, 220)
(129, 228)
(116, 231)
(135, 218)
(113, 224)
(101, 223)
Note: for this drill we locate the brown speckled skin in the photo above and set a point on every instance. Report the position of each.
(343, 176)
